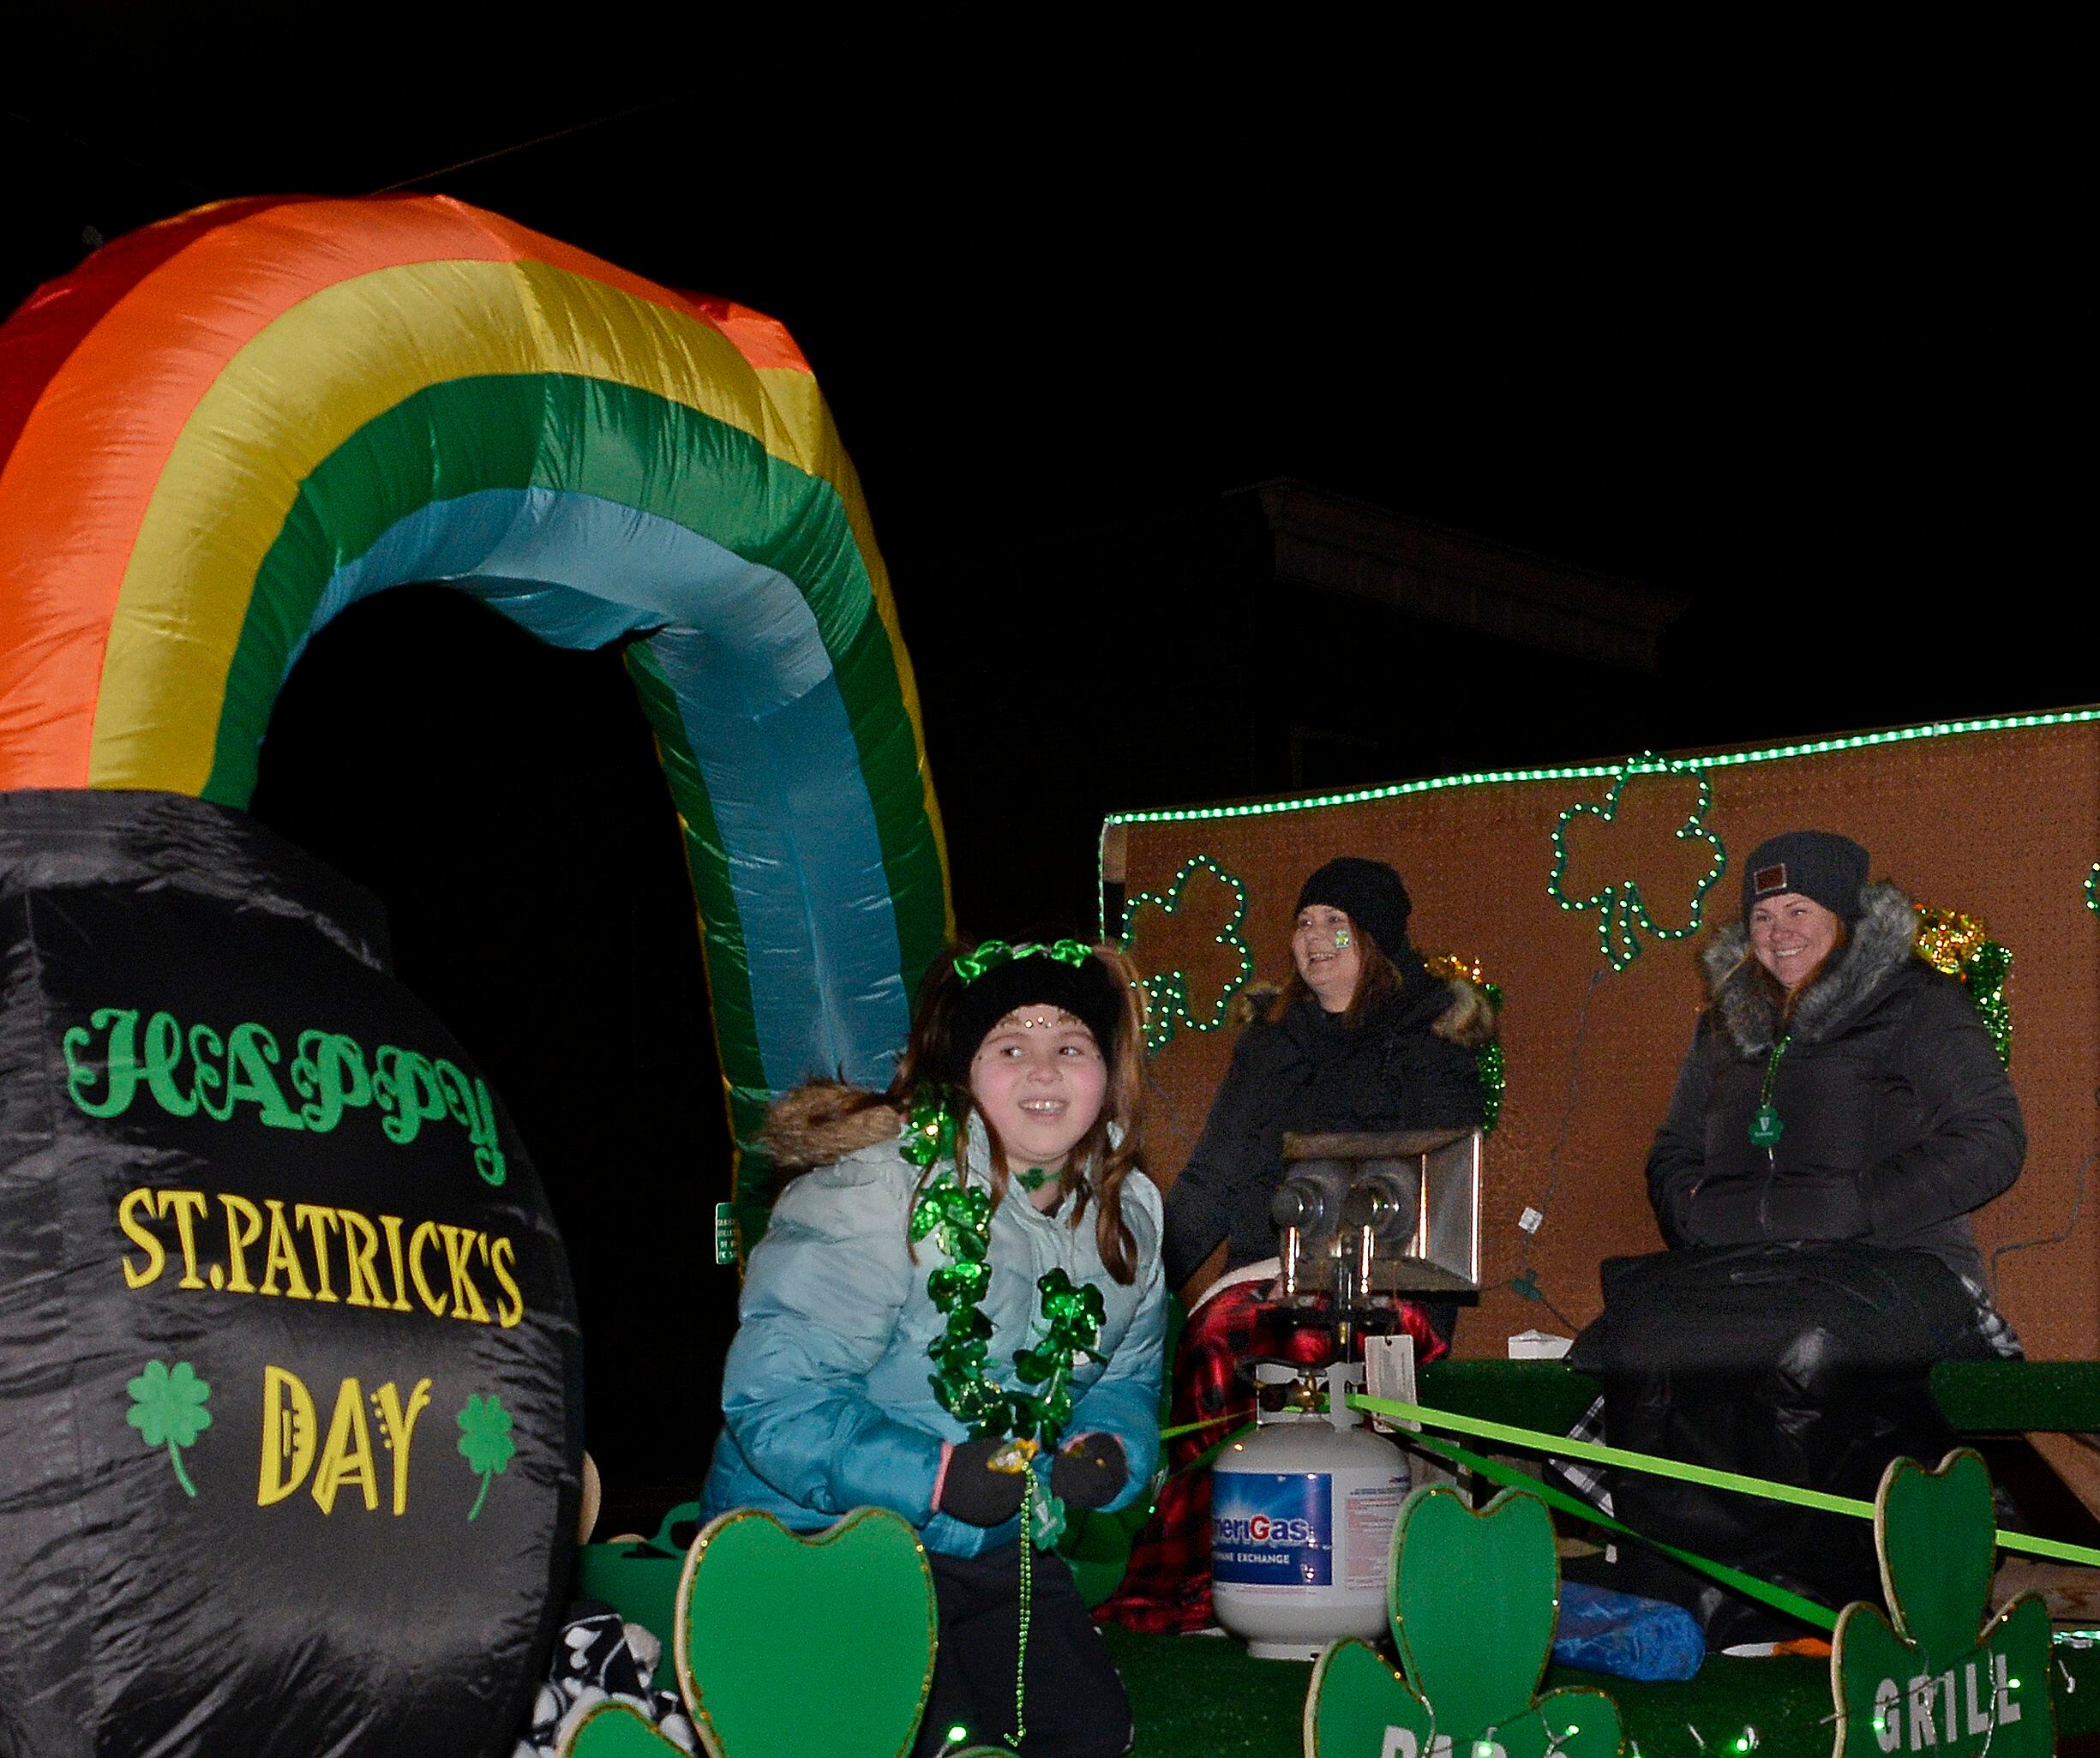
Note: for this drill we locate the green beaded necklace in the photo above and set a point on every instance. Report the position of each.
(1767, 1126)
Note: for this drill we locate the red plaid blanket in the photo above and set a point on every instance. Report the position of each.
(1167, 1587)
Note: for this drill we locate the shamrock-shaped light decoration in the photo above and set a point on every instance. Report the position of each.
(167, 1409)
(1622, 909)
(1939, 1678)
(1167, 990)
(485, 1442)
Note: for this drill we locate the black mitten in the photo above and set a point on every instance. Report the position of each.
(972, 1492)
(1090, 1472)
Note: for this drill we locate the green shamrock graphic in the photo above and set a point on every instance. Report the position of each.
(1473, 1602)
(1166, 992)
(485, 1442)
(167, 1409)
(1622, 909)
(1940, 1678)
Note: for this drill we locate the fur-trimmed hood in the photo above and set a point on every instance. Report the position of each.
(821, 1122)
(1882, 943)
(1469, 1020)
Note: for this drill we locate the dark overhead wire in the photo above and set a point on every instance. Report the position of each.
(522, 146)
(912, 19)
(164, 171)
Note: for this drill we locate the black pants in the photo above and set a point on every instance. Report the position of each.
(1804, 1364)
(1076, 1706)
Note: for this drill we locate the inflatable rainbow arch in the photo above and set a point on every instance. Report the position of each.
(223, 430)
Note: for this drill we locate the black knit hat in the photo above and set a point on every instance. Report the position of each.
(1370, 892)
(1821, 865)
(997, 979)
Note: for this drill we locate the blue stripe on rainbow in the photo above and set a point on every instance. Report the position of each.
(760, 705)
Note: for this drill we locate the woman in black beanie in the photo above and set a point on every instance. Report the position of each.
(1841, 1112)
(1362, 1038)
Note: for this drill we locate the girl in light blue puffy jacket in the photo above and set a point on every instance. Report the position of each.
(959, 1310)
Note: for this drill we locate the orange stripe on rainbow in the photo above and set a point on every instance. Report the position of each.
(77, 488)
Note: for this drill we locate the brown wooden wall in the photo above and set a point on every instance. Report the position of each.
(2003, 822)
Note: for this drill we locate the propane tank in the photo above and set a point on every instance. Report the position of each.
(1302, 1513)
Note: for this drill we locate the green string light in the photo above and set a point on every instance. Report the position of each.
(1595, 771)
(1621, 908)
(1616, 773)
(1167, 1009)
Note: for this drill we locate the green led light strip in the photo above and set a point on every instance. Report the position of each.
(1509, 1477)
(1566, 1447)
(1648, 762)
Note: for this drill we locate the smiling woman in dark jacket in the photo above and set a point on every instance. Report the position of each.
(1891, 1118)
(1362, 1038)
(1841, 1114)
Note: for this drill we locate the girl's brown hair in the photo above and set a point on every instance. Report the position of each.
(1100, 1163)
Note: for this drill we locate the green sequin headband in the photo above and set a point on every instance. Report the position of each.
(989, 955)
(997, 977)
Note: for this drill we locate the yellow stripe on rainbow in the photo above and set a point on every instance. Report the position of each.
(322, 370)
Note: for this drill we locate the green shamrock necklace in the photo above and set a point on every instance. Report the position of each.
(958, 1217)
(1767, 1127)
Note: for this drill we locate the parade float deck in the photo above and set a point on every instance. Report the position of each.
(1207, 1697)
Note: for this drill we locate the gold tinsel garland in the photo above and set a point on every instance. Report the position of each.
(1960, 944)
(1948, 940)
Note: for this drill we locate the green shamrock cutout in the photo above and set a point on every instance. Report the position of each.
(1359, 1708)
(1940, 1678)
(1622, 911)
(1166, 992)
(485, 1442)
(617, 1731)
(1473, 1599)
(757, 1602)
(167, 1409)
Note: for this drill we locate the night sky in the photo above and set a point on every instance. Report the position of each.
(1780, 322)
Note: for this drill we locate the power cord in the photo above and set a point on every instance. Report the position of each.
(2077, 1203)
(1525, 1283)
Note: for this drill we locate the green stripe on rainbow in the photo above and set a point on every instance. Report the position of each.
(468, 436)
(277, 409)
(323, 370)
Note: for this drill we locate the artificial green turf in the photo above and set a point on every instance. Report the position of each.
(1207, 1697)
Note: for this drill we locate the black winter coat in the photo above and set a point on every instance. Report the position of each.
(1898, 1118)
(1311, 1073)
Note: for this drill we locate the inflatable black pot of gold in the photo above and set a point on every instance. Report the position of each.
(290, 1412)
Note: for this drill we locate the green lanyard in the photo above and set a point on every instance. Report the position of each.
(1766, 1128)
